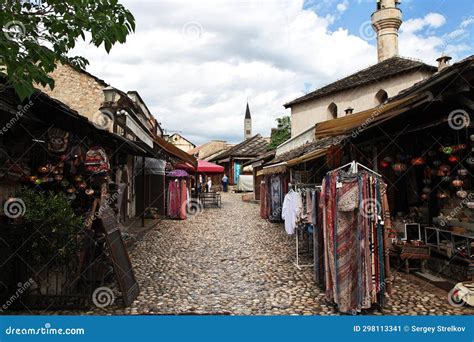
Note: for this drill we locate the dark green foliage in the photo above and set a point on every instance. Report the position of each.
(281, 134)
(35, 38)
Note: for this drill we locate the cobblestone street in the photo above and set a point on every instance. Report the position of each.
(229, 261)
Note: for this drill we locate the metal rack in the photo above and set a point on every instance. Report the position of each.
(298, 187)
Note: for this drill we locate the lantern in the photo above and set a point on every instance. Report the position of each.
(443, 195)
(418, 161)
(461, 194)
(426, 190)
(399, 167)
(447, 150)
(457, 183)
(384, 164)
(453, 159)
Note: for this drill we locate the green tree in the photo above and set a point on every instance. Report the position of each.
(36, 35)
(281, 134)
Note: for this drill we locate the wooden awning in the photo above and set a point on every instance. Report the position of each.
(355, 123)
(275, 168)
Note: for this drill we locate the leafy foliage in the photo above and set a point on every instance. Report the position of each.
(281, 134)
(51, 219)
(35, 37)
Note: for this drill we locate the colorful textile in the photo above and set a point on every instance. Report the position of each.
(353, 240)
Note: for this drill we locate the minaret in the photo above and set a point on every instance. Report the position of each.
(386, 21)
(247, 123)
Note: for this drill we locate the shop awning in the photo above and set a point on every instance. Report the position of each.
(208, 167)
(354, 123)
(275, 168)
(174, 151)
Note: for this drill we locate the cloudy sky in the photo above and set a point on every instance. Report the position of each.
(196, 63)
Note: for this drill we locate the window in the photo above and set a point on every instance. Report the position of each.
(381, 97)
(332, 111)
(247, 131)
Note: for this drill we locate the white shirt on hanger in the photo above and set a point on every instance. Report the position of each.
(292, 207)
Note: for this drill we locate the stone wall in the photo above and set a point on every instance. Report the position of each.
(78, 90)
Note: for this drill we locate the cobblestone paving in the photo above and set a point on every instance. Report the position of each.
(229, 261)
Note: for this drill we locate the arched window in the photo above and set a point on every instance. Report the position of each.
(332, 110)
(381, 97)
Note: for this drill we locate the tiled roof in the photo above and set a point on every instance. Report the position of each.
(319, 144)
(251, 147)
(387, 68)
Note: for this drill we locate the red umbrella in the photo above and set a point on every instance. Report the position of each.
(207, 167)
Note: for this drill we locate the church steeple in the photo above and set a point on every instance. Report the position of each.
(247, 123)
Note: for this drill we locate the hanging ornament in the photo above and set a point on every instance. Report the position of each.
(432, 153)
(71, 190)
(463, 172)
(443, 195)
(58, 178)
(457, 183)
(418, 161)
(426, 190)
(453, 159)
(425, 197)
(89, 192)
(470, 205)
(459, 147)
(383, 164)
(427, 181)
(471, 137)
(38, 181)
(43, 169)
(470, 161)
(447, 150)
(399, 167)
(82, 185)
(445, 168)
(437, 162)
(78, 178)
(33, 179)
(65, 183)
(388, 159)
(461, 194)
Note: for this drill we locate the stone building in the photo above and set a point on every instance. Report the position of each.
(180, 142)
(210, 149)
(362, 90)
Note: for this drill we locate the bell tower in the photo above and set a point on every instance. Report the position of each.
(247, 123)
(386, 21)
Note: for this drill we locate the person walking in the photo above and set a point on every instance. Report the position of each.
(225, 182)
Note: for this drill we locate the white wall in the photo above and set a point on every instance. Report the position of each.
(307, 114)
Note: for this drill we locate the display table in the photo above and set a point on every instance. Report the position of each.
(405, 253)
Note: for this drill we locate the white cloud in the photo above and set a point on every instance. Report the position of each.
(198, 82)
(431, 20)
(342, 7)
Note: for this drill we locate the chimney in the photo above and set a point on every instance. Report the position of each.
(386, 21)
(349, 110)
(443, 62)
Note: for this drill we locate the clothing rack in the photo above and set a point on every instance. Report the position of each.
(354, 168)
(300, 187)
